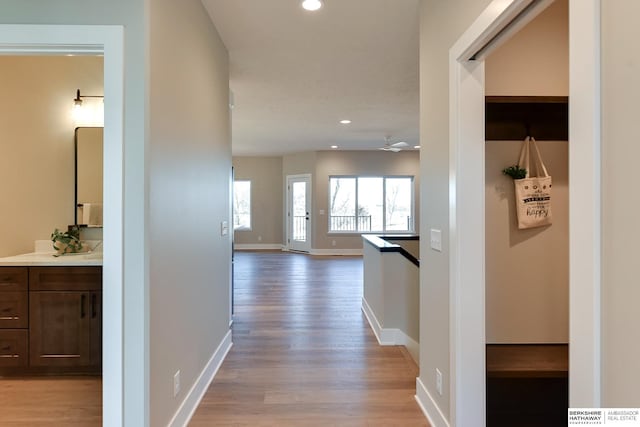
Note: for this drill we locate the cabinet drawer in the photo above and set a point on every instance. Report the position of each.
(65, 278)
(13, 278)
(14, 312)
(13, 348)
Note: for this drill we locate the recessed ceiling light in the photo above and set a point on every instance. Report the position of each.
(417, 147)
(312, 4)
(345, 122)
(334, 146)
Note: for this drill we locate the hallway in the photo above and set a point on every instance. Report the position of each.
(303, 353)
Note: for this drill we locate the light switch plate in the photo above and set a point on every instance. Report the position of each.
(436, 240)
(224, 228)
(439, 381)
(321, 212)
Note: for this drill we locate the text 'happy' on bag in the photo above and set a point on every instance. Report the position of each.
(533, 193)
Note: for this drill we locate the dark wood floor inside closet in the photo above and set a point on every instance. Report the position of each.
(303, 353)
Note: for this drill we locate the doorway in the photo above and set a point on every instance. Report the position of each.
(107, 41)
(467, 240)
(299, 224)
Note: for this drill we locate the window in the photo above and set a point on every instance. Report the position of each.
(370, 204)
(242, 205)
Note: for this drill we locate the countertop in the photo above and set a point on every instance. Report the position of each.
(46, 259)
(379, 242)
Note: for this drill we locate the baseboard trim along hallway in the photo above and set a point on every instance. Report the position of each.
(390, 336)
(199, 388)
(429, 406)
(303, 353)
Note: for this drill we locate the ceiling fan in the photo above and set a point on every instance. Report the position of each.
(396, 147)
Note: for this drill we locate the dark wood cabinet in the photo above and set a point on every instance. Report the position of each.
(14, 310)
(64, 316)
(14, 317)
(13, 348)
(51, 319)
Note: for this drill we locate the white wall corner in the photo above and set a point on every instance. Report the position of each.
(429, 406)
(196, 393)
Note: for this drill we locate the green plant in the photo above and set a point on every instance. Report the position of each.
(515, 172)
(67, 242)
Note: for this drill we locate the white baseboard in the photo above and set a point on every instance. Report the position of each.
(194, 396)
(257, 246)
(372, 319)
(429, 406)
(390, 336)
(336, 252)
(413, 347)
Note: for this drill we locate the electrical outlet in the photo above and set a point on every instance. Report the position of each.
(439, 381)
(259, 238)
(176, 383)
(333, 243)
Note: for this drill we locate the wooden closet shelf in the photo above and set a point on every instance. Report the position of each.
(527, 360)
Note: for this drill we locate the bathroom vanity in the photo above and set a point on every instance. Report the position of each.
(50, 314)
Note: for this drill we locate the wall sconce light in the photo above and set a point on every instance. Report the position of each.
(77, 101)
(82, 117)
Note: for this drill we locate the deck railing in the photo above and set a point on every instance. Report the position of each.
(348, 223)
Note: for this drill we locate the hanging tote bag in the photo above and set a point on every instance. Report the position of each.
(533, 193)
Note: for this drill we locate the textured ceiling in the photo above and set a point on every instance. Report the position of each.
(296, 74)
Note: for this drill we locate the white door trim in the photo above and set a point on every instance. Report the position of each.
(466, 218)
(585, 229)
(288, 219)
(107, 40)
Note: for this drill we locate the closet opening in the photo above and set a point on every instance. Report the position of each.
(527, 240)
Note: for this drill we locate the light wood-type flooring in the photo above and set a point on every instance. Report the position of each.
(304, 354)
(59, 401)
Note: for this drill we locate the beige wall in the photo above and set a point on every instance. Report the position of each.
(189, 197)
(37, 144)
(527, 271)
(265, 174)
(320, 165)
(391, 290)
(621, 203)
(356, 163)
(535, 61)
(441, 24)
